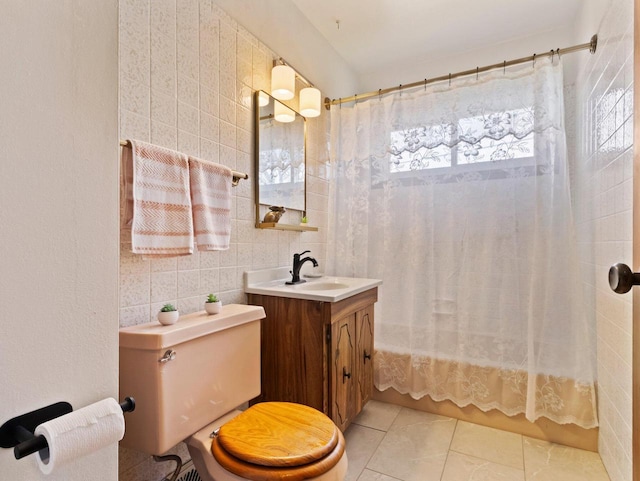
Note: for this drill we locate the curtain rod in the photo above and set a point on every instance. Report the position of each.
(591, 45)
(236, 175)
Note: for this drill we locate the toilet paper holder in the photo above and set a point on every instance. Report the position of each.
(17, 433)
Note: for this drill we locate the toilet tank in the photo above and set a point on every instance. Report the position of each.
(215, 368)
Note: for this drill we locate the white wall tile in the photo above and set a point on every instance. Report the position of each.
(188, 283)
(134, 289)
(209, 281)
(209, 127)
(188, 143)
(133, 126)
(188, 90)
(244, 141)
(244, 72)
(164, 135)
(163, 63)
(210, 150)
(164, 264)
(227, 134)
(136, 95)
(164, 285)
(188, 61)
(227, 84)
(164, 108)
(209, 100)
(188, 22)
(228, 156)
(163, 17)
(188, 118)
(227, 110)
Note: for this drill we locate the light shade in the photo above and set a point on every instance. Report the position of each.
(310, 102)
(283, 82)
(263, 99)
(282, 113)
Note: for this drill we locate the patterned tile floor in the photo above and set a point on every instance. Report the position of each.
(390, 443)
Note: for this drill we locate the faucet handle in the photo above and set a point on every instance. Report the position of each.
(303, 253)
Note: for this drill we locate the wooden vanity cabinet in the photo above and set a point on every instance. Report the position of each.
(318, 353)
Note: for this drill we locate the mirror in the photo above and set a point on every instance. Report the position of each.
(279, 154)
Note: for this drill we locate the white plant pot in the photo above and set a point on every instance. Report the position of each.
(168, 318)
(213, 307)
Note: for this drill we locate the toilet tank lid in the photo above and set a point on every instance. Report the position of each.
(153, 335)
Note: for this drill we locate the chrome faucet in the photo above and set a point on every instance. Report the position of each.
(297, 264)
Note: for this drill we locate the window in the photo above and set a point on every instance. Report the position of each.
(486, 140)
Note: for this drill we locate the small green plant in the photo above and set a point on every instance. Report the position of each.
(304, 219)
(212, 298)
(168, 308)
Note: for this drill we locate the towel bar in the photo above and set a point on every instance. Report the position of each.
(237, 176)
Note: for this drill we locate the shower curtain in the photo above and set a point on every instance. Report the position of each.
(457, 197)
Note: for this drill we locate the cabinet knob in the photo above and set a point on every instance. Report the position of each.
(366, 356)
(345, 375)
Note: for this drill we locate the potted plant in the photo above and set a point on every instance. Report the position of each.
(304, 220)
(213, 305)
(168, 315)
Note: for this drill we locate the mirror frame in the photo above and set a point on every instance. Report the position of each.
(256, 155)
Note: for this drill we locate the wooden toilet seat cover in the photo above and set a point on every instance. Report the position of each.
(278, 438)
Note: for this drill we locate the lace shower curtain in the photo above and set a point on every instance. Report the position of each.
(457, 198)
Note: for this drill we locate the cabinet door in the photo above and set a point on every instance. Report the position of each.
(364, 356)
(342, 389)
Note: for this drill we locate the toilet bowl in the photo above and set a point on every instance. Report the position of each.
(188, 380)
(270, 441)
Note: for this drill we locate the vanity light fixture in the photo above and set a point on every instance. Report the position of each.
(263, 99)
(310, 102)
(282, 113)
(283, 82)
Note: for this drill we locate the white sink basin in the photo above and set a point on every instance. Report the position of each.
(271, 282)
(323, 286)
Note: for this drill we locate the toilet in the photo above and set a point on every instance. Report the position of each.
(190, 378)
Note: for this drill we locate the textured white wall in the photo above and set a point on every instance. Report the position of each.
(604, 194)
(59, 216)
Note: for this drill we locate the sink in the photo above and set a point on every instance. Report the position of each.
(271, 282)
(323, 286)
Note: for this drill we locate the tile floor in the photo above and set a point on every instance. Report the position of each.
(390, 443)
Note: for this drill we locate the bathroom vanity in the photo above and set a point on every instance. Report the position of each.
(317, 346)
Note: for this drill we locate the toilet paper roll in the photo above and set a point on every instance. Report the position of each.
(80, 433)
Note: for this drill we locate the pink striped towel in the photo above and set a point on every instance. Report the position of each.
(211, 199)
(157, 200)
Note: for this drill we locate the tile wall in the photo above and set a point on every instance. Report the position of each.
(187, 73)
(603, 200)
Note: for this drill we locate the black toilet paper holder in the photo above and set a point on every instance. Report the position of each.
(18, 433)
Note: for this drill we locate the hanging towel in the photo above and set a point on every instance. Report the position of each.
(211, 199)
(157, 200)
